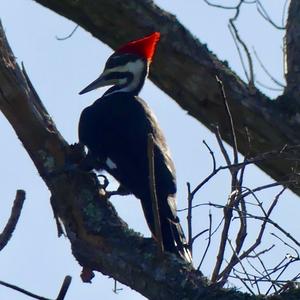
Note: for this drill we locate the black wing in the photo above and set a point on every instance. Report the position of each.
(116, 127)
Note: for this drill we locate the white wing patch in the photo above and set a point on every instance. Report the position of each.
(111, 165)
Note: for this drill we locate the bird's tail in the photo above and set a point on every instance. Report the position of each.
(172, 233)
(173, 237)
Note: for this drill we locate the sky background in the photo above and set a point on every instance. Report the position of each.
(35, 258)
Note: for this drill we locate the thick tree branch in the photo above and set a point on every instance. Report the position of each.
(100, 240)
(292, 52)
(185, 69)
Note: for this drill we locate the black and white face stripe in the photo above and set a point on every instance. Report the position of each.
(128, 71)
(125, 72)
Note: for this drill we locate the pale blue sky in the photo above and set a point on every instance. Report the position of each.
(35, 258)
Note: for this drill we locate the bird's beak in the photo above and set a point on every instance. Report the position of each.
(101, 81)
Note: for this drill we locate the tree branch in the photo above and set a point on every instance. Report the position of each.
(292, 51)
(100, 240)
(13, 219)
(61, 296)
(185, 69)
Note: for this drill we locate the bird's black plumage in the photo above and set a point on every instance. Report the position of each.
(115, 129)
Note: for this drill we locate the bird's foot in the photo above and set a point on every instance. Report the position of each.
(121, 191)
(104, 184)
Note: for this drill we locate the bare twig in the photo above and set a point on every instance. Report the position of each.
(237, 37)
(13, 219)
(227, 211)
(211, 154)
(243, 282)
(288, 284)
(16, 288)
(62, 293)
(261, 252)
(152, 186)
(222, 147)
(116, 289)
(284, 12)
(199, 234)
(225, 273)
(64, 288)
(234, 181)
(268, 87)
(285, 243)
(68, 36)
(219, 6)
(244, 195)
(285, 153)
(241, 236)
(239, 52)
(208, 242)
(266, 70)
(240, 261)
(267, 275)
(189, 217)
(262, 11)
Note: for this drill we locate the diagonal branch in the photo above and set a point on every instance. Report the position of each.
(61, 296)
(100, 240)
(293, 50)
(185, 69)
(13, 219)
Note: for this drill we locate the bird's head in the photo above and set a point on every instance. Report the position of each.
(127, 68)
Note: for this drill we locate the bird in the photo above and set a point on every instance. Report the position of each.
(115, 131)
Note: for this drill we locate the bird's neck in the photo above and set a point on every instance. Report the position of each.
(134, 83)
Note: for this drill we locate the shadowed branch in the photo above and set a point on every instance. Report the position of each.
(13, 219)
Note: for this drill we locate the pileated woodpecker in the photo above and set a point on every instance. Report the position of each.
(115, 130)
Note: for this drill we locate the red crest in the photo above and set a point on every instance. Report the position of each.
(143, 47)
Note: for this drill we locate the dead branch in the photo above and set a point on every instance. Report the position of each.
(189, 217)
(61, 296)
(211, 154)
(241, 263)
(225, 273)
(193, 63)
(208, 241)
(277, 82)
(64, 288)
(100, 240)
(263, 12)
(68, 36)
(227, 211)
(13, 219)
(230, 121)
(238, 40)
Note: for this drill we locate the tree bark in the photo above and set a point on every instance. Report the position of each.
(100, 240)
(292, 53)
(185, 69)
